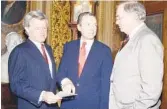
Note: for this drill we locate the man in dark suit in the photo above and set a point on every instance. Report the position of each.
(32, 70)
(88, 64)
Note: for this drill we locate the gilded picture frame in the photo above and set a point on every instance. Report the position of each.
(81, 6)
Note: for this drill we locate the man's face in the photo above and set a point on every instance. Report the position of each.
(124, 20)
(37, 30)
(88, 27)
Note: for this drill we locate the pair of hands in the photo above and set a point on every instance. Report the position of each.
(67, 87)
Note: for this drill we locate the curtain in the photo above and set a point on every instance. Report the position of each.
(108, 32)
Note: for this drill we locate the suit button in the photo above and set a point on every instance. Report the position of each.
(77, 84)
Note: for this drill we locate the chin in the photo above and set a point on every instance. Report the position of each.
(42, 41)
(90, 38)
(121, 30)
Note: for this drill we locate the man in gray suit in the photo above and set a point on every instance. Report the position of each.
(136, 80)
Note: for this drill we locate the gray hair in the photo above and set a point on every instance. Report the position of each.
(33, 14)
(82, 15)
(135, 7)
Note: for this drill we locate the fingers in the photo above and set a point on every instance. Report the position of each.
(68, 86)
(73, 89)
(50, 98)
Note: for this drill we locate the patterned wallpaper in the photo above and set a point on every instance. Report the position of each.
(60, 32)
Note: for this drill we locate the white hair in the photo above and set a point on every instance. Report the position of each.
(135, 7)
(33, 14)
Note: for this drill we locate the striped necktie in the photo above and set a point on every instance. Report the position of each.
(44, 53)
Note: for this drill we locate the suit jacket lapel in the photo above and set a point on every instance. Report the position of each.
(36, 54)
(34, 51)
(90, 59)
(52, 60)
(132, 42)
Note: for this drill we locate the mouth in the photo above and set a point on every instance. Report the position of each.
(91, 33)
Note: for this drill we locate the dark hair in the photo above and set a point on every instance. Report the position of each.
(82, 15)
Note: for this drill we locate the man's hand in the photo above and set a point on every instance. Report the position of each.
(67, 86)
(50, 98)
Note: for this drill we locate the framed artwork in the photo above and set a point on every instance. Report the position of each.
(79, 7)
(155, 23)
(12, 14)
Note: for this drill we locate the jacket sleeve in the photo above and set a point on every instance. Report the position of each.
(106, 70)
(19, 82)
(62, 70)
(151, 70)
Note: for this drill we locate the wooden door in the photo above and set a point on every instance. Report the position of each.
(159, 8)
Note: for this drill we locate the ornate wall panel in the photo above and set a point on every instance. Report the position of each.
(60, 32)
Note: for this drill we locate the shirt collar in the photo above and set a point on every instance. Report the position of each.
(88, 42)
(135, 30)
(37, 43)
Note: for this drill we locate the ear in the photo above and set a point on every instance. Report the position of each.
(79, 27)
(27, 29)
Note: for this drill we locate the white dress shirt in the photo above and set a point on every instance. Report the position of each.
(38, 45)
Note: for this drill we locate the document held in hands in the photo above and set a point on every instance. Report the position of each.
(64, 94)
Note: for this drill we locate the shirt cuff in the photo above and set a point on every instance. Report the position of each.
(40, 97)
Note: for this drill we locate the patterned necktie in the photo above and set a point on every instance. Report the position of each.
(82, 58)
(44, 53)
(124, 42)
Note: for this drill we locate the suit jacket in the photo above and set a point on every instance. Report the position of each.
(29, 75)
(136, 81)
(92, 86)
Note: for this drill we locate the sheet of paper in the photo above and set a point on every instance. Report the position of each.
(64, 94)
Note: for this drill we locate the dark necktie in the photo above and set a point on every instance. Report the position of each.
(44, 53)
(82, 58)
(124, 42)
